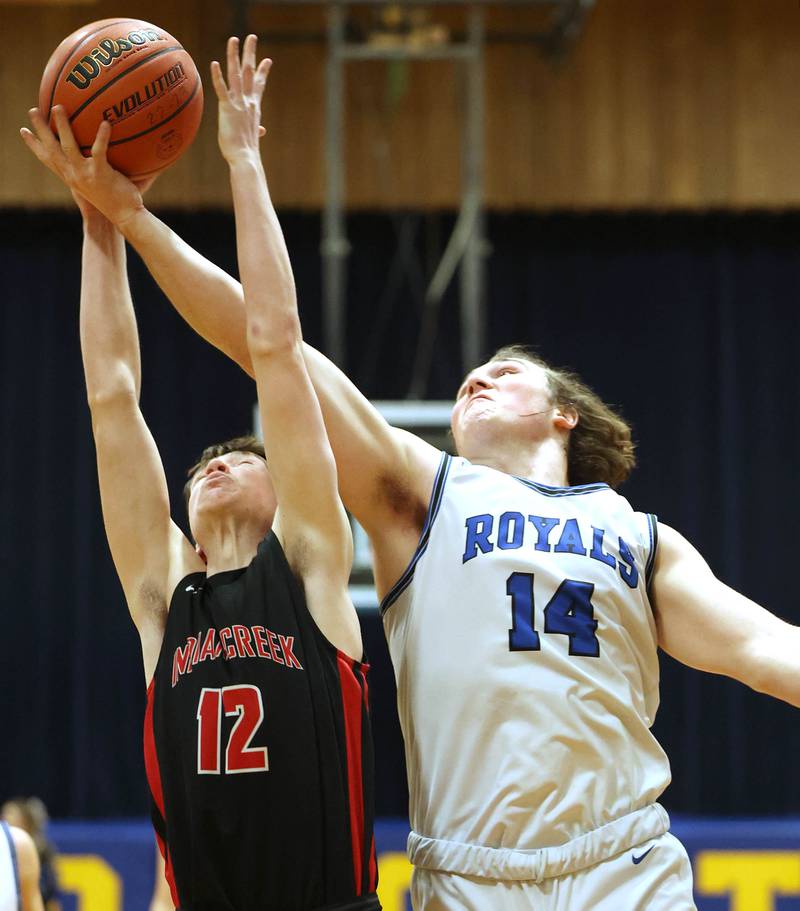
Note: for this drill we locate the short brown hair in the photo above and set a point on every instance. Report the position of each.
(237, 444)
(601, 446)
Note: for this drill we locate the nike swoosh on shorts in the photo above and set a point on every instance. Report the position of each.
(641, 857)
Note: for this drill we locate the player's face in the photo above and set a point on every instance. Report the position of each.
(237, 483)
(500, 393)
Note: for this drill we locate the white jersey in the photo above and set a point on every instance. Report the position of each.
(525, 654)
(9, 877)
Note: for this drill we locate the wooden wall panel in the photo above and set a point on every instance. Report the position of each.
(686, 104)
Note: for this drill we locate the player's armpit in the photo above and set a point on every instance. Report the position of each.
(382, 471)
(705, 624)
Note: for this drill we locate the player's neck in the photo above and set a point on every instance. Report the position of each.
(230, 545)
(546, 464)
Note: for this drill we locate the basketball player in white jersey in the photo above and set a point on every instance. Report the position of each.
(523, 601)
(19, 871)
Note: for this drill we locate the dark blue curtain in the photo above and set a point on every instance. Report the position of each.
(687, 323)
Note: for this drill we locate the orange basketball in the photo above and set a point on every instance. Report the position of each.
(138, 77)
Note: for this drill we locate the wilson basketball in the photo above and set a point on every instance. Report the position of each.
(138, 77)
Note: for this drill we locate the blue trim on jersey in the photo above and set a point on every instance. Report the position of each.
(549, 491)
(13, 852)
(433, 509)
(652, 525)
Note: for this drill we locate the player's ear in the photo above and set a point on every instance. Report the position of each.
(565, 416)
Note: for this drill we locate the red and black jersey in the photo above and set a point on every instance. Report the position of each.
(258, 749)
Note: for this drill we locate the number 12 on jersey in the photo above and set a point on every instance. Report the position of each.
(569, 612)
(245, 702)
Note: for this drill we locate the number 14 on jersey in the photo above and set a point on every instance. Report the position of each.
(569, 612)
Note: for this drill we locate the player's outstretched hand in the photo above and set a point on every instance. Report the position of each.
(93, 182)
(240, 100)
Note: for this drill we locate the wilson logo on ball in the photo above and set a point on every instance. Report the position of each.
(107, 51)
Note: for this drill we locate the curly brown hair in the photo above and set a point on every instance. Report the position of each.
(237, 444)
(600, 447)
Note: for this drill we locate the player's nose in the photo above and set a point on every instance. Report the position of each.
(216, 464)
(477, 382)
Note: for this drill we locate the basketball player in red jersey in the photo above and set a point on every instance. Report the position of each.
(563, 679)
(257, 741)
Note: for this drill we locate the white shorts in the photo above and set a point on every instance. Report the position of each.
(611, 869)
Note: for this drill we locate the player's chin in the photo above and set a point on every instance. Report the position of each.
(214, 499)
(477, 420)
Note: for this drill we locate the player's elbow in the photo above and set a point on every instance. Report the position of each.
(270, 337)
(769, 664)
(771, 683)
(114, 393)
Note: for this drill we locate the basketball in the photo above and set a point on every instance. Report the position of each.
(136, 76)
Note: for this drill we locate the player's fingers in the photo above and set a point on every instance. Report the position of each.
(218, 81)
(44, 155)
(249, 64)
(40, 128)
(101, 140)
(249, 50)
(32, 143)
(262, 74)
(65, 134)
(234, 66)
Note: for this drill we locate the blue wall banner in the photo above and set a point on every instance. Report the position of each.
(739, 865)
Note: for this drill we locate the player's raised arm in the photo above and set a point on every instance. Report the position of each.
(311, 524)
(148, 550)
(380, 468)
(707, 625)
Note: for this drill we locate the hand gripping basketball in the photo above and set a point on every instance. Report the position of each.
(240, 99)
(93, 178)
